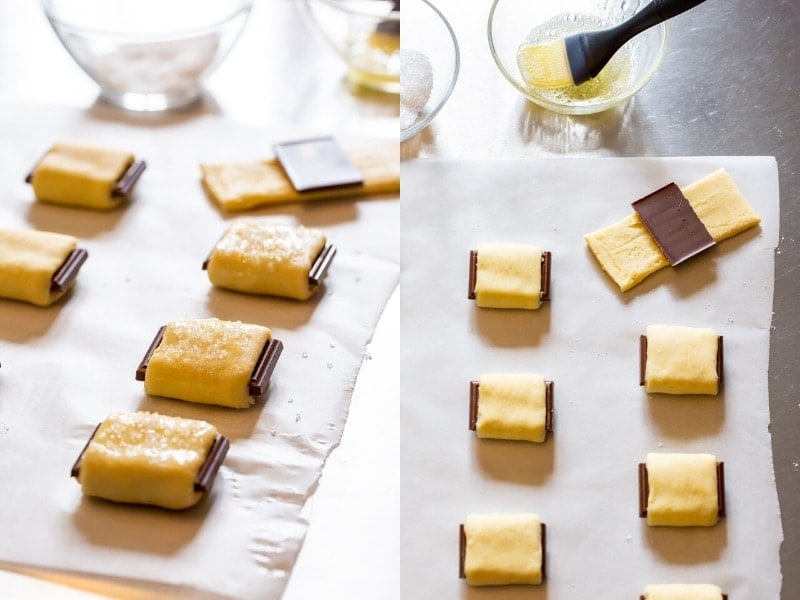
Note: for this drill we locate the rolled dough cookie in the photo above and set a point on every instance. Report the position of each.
(147, 458)
(29, 260)
(261, 257)
(508, 276)
(627, 252)
(683, 489)
(81, 175)
(207, 361)
(503, 549)
(681, 360)
(512, 406)
(682, 591)
(241, 186)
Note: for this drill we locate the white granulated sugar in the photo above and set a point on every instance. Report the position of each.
(416, 83)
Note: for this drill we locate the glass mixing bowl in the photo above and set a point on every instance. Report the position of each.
(148, 55)
(513, 22)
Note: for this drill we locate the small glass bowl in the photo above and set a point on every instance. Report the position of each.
(366, 35)
(512, 21)
(427, 31)
(148, 55)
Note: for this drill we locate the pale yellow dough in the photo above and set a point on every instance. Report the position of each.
(681, 360)
(627, 252)
(508, 276)
(682, 591)
(80, 175)
(503, 549)
(146, 458)
(207, 361)
(28, 260)
(261, 257)
(720, 205)
(241, 186)
(683, 489)
(511, 406)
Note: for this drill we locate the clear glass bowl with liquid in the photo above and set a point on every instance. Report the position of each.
(513, 23)
(148, 55)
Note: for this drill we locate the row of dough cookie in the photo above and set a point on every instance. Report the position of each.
(101, 178)
(254, 256)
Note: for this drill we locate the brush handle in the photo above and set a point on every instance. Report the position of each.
(589, 52)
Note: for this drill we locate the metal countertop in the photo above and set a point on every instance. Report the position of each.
(729, 85)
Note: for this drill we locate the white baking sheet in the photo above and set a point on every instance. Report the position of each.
(583, 480)
(64, 368)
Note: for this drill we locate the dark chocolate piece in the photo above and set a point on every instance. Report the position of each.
(473, 273)
(644, 489)
(544, 285)
(462, 550)
(643, 359)
(675, 227)
(208, 470)
(316, 164)
(259, 379)
(321, 264)
(142, 368)
(474, 396)
(123, 185)
(76, 467)
(68, 271)
(129, 178)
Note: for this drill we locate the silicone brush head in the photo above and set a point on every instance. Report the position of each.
(545, 66)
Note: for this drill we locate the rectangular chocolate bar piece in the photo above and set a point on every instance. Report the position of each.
(675, 227)
(317, 163)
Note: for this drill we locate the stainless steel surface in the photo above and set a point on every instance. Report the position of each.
(730, 85)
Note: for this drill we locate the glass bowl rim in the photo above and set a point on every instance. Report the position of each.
(418, 126)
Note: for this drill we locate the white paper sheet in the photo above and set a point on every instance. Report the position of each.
(64, 368)
(583, 480)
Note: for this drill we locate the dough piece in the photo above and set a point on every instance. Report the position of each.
(626, 251)
(720, 205)
(261, 257)
(503, 549)
(79, 175)
(682, 489)
(28, 260)
(146, 458)
(681, 360)
(511, 406)
(241, 186)
(207, 361)
(680, 591)
(508, 276)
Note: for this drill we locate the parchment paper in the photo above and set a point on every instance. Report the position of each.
(66, 367)
(583, 480)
